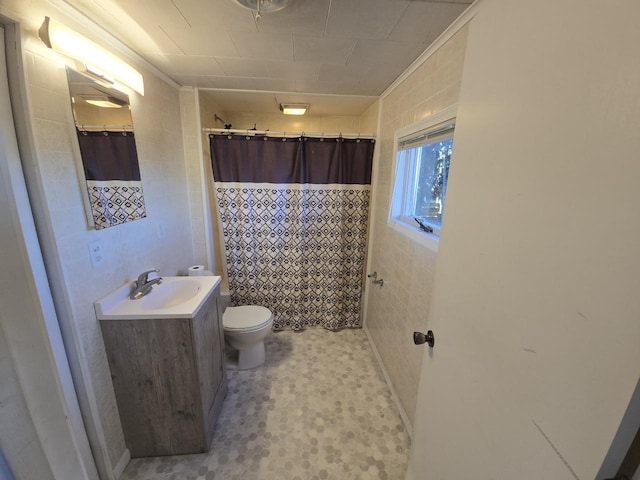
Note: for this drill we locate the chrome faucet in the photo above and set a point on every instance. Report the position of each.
(143, 285)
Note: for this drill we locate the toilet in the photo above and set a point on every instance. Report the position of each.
(245, 328)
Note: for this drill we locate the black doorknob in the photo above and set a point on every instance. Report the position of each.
(419, 338)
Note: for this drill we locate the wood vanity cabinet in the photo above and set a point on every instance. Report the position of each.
(169, 378)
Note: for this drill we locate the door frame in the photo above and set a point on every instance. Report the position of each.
(35, 341)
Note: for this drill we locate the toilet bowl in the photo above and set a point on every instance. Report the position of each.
(245, 328)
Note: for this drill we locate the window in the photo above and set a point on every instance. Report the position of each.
(423, 156)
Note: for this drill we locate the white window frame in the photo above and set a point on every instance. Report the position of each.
(402, 175)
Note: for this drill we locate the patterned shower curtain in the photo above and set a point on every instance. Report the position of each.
(294, 215)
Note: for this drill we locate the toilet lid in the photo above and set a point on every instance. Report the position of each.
(246, 317)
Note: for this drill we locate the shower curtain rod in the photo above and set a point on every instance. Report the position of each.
(116, 128)
(269, 133)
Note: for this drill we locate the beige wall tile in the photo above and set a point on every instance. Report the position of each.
(129, 248)
(401, 306)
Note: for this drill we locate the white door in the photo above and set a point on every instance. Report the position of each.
(536, 302)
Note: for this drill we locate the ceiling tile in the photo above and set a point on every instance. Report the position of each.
(154, 12)
(244, 67)
(211, 15)
(202, 81)
(189, 24)
(302, 16)
(139, 32)
(327, 46)
(293, 70)
(186, 64)
(194, 42)
(384, 53)
(263, 46)
(423, 22)
(246, 83)
(465, 2)
(258, 102)
(322, 49)
(329, 88)
(378, 80)
(371, 19)
(342, 73)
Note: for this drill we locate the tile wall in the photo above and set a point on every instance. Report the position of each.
(127, 249)
(402, 305)
(369, 119)
(277, 122)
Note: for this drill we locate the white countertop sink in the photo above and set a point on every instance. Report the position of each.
(175, 297)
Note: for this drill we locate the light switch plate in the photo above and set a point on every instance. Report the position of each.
(95, 251)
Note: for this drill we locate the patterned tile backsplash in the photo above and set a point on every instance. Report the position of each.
(319, 408)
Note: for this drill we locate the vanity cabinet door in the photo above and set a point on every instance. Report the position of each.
(156, 387)
(208, 339)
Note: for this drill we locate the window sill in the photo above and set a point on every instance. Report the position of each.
(425, 239)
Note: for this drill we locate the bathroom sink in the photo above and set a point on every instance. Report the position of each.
(169, 294)
(175, 297)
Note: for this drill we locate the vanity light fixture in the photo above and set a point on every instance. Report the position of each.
(294, 108)
(95, 61)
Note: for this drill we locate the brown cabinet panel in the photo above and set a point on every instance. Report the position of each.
(169, 378)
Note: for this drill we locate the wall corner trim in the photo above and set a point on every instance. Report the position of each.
(451, 30)
(118, 470)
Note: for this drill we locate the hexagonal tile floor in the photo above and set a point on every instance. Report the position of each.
(319, 408)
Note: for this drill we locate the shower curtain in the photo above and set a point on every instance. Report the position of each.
(294, 215)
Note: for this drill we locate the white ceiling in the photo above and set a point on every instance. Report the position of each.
(333, 47)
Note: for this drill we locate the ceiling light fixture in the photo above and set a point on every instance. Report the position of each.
(263, 6)
(93, 58)
(105, 102)
(294, 108)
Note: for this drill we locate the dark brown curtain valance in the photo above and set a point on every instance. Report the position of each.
(109, 155)
(261, 159)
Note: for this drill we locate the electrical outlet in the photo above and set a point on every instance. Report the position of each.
(95, 251)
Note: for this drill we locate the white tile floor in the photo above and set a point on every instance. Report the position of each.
(318, 409)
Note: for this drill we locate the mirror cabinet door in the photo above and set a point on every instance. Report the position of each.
(107, 146)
